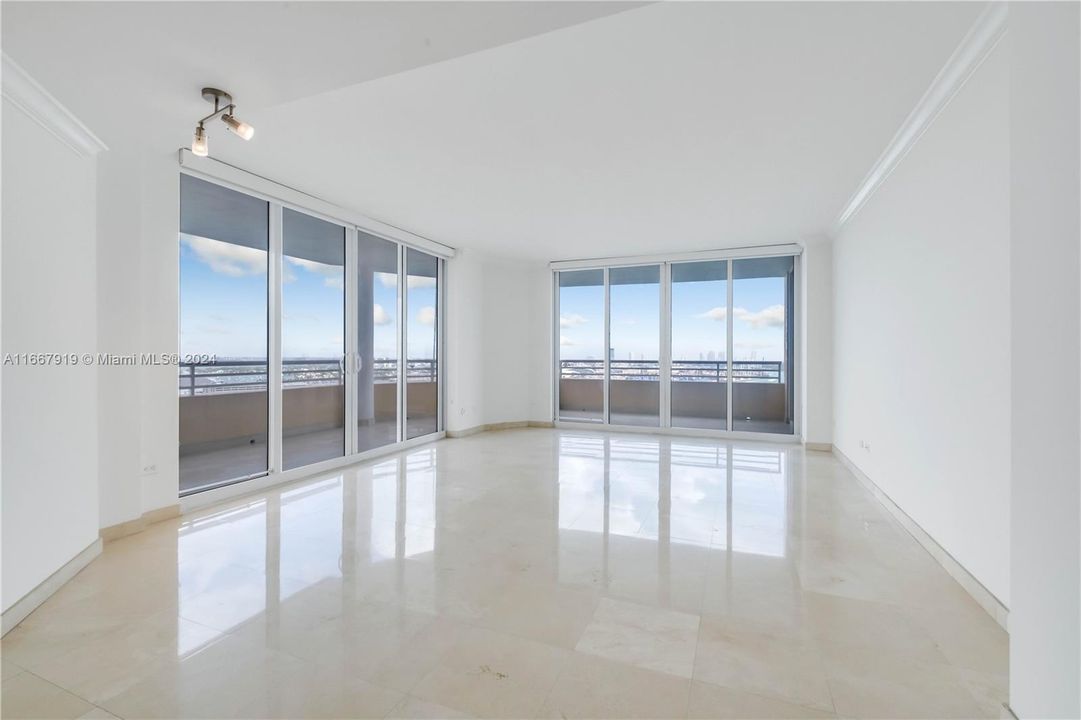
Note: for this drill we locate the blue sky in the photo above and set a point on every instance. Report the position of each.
(223, 305)
(698, 320)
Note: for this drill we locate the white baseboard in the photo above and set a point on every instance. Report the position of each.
(466, 432)
(33, 599)
(984, 597)
(819, 446)
(492, 427)
(115, 532)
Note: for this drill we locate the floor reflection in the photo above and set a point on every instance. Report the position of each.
(634, 492)
(706, 494)
(525, 573)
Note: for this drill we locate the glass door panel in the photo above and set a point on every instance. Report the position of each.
(377, 342)
(763, 296)
(313, 340)
(224, 256)
(422, 344)
(581, 345)
(700, 345)
(634, 345)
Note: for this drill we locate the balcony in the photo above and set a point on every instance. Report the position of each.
(761, 401)
(223, 413)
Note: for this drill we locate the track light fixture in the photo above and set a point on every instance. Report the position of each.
(242, 129)
(223, 106)
(198, 143)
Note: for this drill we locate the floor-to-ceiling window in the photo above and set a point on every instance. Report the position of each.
(313, 339)
(634, 345)
(700, 345)
(297, 337)
(762, 347)
(581, 345)
(703, 344)
(422, 333)
(377, 342)
(224, 244)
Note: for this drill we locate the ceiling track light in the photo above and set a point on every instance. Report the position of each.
(224, 107)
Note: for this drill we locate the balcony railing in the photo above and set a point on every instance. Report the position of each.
(233, 376)
(716, 371)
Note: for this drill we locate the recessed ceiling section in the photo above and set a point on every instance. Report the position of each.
(154, 56)
(683, 126)
(536, 130)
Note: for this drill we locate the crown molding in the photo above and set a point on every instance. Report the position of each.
(974, 48)
(26, 94)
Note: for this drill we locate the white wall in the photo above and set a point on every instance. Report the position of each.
(817, 340)
(50, 425)
(118, 254)
(497, 341)
(464, 372)
(138, 306)
(1045, 260)
(922, 330)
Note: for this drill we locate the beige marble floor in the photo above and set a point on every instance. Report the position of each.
(527, 573)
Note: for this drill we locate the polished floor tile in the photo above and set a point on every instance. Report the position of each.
(594, 687)
(526, 573)
(737, 655)
(28, 696)
(647, 637)
(710, 701)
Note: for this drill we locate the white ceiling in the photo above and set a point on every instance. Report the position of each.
(679, 126)
(111, 62)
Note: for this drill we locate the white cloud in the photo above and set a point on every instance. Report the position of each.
(333, 275)
(227, 258)
(571, 320)
(390, 280)
(717, 313)
(426, 315)
(565, 341)
(420, 281)
(379, 315)
(773, 316)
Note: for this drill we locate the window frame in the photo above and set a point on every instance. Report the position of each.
(280, 197)
(665, 364)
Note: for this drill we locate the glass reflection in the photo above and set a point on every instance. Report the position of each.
(222, 566)
(311, 535)
(679, 492)
(263, 557)
(650, 519)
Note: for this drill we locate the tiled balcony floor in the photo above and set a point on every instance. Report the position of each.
(526, 573)
(207, 467)
(680, 421)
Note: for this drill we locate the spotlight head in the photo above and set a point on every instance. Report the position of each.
(242, 129)
(198, 142)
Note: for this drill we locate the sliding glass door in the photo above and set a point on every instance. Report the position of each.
(313, 339)
(634, 345)
(224, 404)
(422, 331)
(377, 342)
(699, 345)
(581, 363)
(304, 341)
(763, 295)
